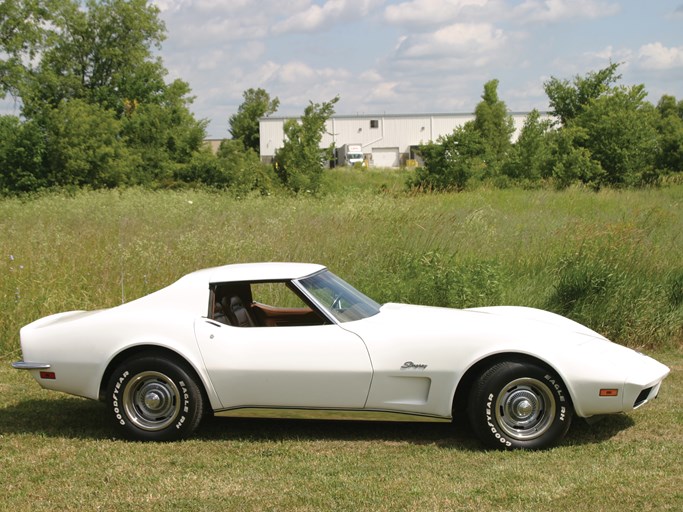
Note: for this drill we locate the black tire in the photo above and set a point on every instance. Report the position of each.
(152, 398)
(518, 405)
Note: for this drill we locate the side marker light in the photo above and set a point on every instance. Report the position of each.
(609, 392)
(48, 375)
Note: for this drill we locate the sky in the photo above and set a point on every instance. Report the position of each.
(412, 56)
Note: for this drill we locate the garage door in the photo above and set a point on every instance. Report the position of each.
(385, 157)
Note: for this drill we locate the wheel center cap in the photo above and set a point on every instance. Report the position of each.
(153, 400)
(524, 408)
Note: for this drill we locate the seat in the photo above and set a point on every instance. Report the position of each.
(219, 313)
(238, 314)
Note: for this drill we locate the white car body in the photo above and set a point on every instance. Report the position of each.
(405, 359)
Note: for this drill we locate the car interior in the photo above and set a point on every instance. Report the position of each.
(271, 304)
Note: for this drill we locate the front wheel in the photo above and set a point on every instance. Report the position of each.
(154, 399)
(517, 405)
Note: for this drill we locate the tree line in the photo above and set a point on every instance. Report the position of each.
(600, 134)
(96, 110)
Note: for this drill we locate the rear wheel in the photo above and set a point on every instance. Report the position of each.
(518, 405)
(152, 398)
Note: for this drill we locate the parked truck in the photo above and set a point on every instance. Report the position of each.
(349, 154)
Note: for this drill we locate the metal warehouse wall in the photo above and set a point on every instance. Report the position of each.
(381, 132)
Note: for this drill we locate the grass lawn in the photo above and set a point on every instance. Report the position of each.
(58, 453)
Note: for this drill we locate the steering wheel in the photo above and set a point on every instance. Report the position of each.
(336, 302)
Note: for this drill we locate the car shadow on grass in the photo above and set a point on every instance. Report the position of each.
(77, 418)
(597, 430)
(457, 435)
(68, 417)
(444, 435)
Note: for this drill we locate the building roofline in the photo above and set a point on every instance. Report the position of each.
(379, 116)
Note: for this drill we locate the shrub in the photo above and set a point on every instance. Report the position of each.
(22, 150)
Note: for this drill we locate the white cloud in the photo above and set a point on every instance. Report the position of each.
(430, 11)
(370, 75)
(526, 95)
(294, 72)
(656, 56)
(409, 55)
(465, 41)
(318, 17)
(383, 92)
(210, 23)
(602, 58)
(226, 7)
(167, 5)
(559, 10)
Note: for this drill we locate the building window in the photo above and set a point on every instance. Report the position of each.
(374, 123)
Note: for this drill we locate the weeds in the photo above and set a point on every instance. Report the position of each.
(610, 260)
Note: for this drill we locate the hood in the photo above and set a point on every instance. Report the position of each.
(538, 316)
(499, 318)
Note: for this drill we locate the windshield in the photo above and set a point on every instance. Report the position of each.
(338, 298)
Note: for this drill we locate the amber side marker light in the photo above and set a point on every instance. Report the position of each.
(48, 375)
(609, 392)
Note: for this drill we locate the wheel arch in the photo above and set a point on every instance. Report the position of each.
(461, 395)
(155, 350)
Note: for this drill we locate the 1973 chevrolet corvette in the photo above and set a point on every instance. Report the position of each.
(295, 338)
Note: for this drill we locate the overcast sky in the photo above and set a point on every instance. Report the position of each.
(412, 56)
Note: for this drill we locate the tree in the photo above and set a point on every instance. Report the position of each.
(163, 133)
(621, 136)
(22, 151)
(531, 152)
(670, 129)
(95, 58)
(299, 163)
(451, 161)
(84, 147)
(233, 168)
(22, 37)
(244, 125)
(476, 150)
(569, 99)
(495, 127)
(100, 52)
(244, 170)
(570, 162)
(610, 135)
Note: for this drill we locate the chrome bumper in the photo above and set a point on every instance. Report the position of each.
(23, 365)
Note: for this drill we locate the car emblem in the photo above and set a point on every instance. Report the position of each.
(409, 365)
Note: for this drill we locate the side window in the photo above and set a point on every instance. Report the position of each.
(262, 304)
(232, 304)
(276, 295)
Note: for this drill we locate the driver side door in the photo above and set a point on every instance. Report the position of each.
(310, 366)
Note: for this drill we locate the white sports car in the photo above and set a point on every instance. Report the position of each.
(295, 338)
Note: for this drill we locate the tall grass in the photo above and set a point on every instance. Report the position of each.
(610, 259)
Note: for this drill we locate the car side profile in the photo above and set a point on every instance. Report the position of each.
(273, 338)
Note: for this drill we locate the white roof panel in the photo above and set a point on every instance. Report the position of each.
(270, 271)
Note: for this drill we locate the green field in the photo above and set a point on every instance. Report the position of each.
(611, 260)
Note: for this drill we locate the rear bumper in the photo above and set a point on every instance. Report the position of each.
(24, 365)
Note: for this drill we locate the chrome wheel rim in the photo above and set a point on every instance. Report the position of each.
(151, 401)
(525, 409)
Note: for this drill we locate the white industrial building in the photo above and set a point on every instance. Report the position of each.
(387, 140)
